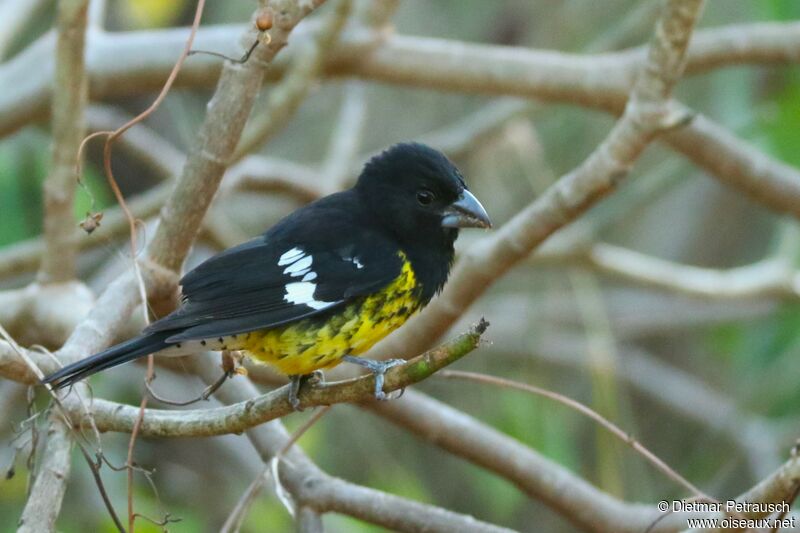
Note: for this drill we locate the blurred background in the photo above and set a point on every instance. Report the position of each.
(709, 384)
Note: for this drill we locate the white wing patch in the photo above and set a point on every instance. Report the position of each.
(301, 292)
(299, 268)
(290, 257)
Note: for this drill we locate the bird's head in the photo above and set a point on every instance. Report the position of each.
(417, 193)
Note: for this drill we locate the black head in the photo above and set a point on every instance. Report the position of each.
(418, 195)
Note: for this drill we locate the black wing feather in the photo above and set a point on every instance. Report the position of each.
(244, 288)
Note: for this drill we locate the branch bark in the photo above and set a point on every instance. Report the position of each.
(646, 115)
(599, 81)
(767, 278)
(219, 134)
(111, 416)
(58, 262)
(312, 488)
(47, 493)
(70, 91)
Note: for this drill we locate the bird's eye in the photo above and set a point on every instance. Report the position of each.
(425, 197)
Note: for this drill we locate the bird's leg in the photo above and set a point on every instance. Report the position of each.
(296, 381)
(294, 387)
(378, 369)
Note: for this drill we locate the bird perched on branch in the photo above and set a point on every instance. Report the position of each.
(326, 282)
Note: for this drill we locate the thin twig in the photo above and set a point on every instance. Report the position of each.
(234, 521)
(586, 411)
(110, 139)
(203, 397)
(63, 412)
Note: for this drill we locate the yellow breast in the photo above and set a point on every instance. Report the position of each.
(320, 342)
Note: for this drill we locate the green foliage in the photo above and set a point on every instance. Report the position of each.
(23, 167)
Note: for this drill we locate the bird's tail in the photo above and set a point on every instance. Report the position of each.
(116, 355)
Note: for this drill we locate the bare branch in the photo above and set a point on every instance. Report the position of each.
(44, 502)
(600, 81)
(566, 493)
(218, 136)
(111, 416)
(286, 97)
(45, 314)
(312, 488)
(13, 367)
(677, 390)
(772, 277)
(308, 521)
(58, 262)
(647, 114)
(780, 487)
(69, 99)
(346, 137)
(14, 15)
(615, 430)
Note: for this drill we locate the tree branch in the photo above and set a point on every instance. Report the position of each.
(647, 114)
(227, 113)
(14, 16)
(44, 502)
(569, 495)
(770, 278)
(68, 102)
(44, 314)
(286, 97)
(599, 81)
(111, 416)
(310, 487)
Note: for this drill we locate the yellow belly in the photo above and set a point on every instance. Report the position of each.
(321, 342)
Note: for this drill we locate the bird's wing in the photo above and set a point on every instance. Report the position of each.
(275, 279)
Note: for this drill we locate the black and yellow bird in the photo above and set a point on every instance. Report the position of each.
(325, 283)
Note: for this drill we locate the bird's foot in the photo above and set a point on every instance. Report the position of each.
(232, 363)
(317, 377)
(296, 381)
(378, 369)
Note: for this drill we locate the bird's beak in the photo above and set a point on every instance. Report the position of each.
(466, 212)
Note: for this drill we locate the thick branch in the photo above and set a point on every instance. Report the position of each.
(310, 487)
(44, 502)
(13, 367)
(772, 277)
(285, 98)
(110, 416)
(185, 209)
(646, 115)
(600, 81)
(58, 263)
(577, 500)
(69, 99)
(218, 136)
(14, 16)
(44, 314)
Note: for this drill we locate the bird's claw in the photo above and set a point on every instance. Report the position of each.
(378, 369)
(315, 378)
(296, 381)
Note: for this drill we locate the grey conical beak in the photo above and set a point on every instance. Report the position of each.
(466, 212)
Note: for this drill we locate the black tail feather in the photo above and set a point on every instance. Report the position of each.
(116, 355)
